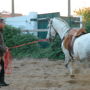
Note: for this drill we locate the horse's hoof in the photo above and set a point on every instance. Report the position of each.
(72, 76)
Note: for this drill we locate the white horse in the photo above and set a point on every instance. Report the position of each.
(81, 44)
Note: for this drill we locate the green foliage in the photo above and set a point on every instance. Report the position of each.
(87, 26)
(53, 51)
(9, 33)
(56, 52)
(85, 12)
(13, 37)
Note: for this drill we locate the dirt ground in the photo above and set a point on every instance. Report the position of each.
(41, 74)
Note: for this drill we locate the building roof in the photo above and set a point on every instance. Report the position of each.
(49, 15)
(5, 15)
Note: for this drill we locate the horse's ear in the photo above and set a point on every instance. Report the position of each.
(48, 19)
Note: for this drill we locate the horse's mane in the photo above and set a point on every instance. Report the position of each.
(60, 19)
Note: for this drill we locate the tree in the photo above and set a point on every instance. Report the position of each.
(85, 12)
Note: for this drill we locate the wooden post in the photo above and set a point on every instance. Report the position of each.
(81, 22)
(69, 8)
(13, 8)
(69, 11)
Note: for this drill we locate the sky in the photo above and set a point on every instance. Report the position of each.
(43, 6)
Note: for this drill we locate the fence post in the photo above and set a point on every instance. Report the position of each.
(81, 21)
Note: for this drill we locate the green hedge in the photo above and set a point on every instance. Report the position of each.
(87, 26)
(14, 37)
(54, 50)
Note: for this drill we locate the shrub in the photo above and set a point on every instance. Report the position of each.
(13, 37)
(54, 50)
(87, 26)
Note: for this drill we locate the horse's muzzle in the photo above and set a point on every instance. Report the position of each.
(50, 40)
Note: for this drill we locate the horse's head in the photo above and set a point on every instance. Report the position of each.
(51, 31)
(57, 25)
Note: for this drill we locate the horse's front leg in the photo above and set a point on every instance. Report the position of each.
(68, 65)
(68, 61)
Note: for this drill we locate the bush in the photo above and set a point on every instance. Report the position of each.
(14, 37)
(87, 26)
(54, 50)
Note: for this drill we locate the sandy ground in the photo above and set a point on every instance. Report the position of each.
(41, 74)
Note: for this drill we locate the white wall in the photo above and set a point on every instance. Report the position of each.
(23, 22)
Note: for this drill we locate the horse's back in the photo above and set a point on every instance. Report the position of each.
(81, 46)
